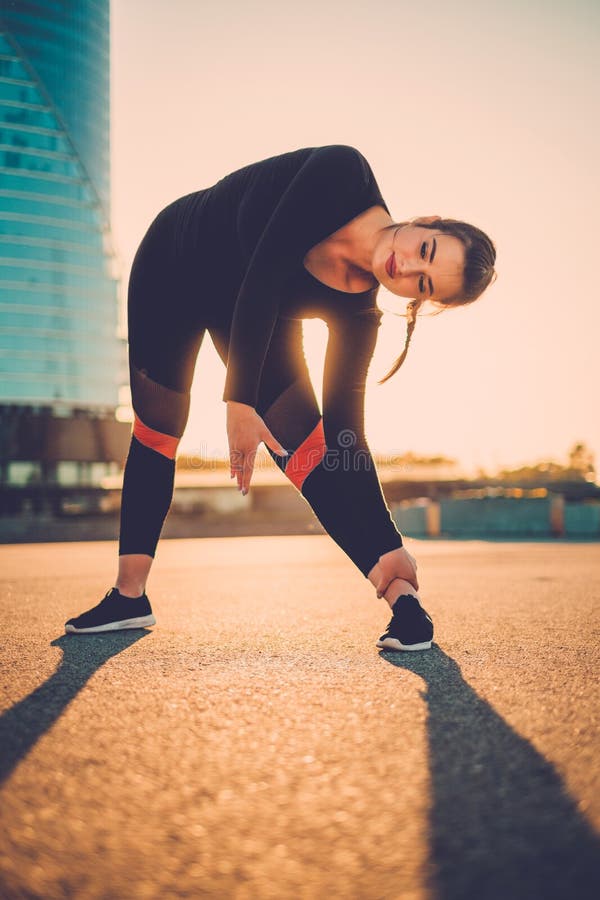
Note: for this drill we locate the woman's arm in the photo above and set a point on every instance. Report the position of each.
(357, 501)
(328, 190)
(351, 345)
(360, 497)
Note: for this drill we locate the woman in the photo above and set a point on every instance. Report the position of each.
(301, 235)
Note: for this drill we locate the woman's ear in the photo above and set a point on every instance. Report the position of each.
(425, 220)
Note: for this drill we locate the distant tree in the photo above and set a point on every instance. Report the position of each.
(412, 459)
(580, 466)
(581, 460)
(541, 472)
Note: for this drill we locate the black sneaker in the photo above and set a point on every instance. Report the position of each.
(113, 613)
(410, 627)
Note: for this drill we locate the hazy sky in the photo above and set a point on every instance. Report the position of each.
(485, 110)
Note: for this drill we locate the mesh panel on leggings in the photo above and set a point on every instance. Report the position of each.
(157, 406)
(292, 429)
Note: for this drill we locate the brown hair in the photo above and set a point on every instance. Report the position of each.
(479, 273)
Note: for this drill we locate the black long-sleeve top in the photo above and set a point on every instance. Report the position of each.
(279, 223)
(261, 221)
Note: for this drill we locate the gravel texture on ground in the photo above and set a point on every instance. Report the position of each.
(256, 744)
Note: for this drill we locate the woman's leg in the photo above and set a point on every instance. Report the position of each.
(160, 417)
(164, 340)
(161, 412)
(134, 569)
(288, 405)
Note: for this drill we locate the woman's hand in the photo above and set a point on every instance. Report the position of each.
(245, 431)
(396, 564)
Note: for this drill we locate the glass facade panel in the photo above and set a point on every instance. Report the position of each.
(18, 90)
(53, 207)
(65, 256)
(24, 115)
(42, 297)
(59, 188)
(53, 343)
(82, 254)
(46, 176)
(43, 273)
(22, 473)
(53, 296)
(53, 229)
(51, 323)
(46, 139)
(67, 473)
(36, 161)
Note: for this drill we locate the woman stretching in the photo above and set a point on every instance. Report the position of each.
(302, 235)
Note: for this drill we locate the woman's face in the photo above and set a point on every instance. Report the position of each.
(421, 263)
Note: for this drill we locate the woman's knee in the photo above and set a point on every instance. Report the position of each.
(160, 413)
(163, 443)
(307, 456)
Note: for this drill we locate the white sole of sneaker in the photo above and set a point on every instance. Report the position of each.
(140, 622)
(394, 644)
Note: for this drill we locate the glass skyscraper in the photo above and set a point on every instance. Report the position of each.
(58, 291)
(61, 361)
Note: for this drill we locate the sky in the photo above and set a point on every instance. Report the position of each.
(481, 110)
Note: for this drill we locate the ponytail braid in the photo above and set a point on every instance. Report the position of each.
(411, 321)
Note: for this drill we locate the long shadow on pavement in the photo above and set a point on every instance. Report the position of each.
(502, 823)
(25, 722)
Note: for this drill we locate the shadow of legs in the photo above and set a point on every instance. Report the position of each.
(30, 718)
(502, 823)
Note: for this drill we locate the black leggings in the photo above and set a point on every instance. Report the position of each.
(166, 329)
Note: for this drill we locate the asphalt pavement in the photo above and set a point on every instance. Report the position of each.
(256, 744)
